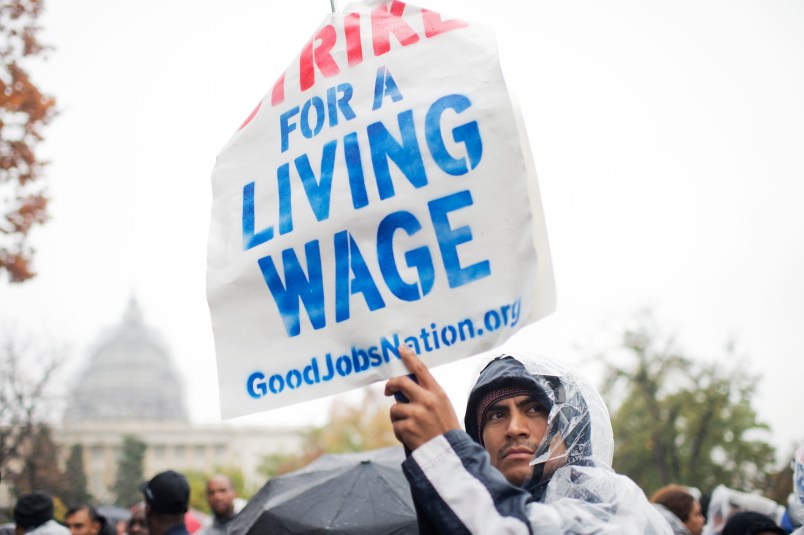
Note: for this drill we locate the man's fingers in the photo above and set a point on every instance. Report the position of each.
(428, 412)
(405, 385)
(415, 386)
(416, 367)
(399, 411)
(391, 386)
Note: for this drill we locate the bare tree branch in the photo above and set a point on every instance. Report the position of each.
(28, 373)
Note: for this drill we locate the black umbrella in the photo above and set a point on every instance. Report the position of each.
(112, 513)
(347, 494)
(111, 516)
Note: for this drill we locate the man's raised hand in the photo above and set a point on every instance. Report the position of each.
(428, 412)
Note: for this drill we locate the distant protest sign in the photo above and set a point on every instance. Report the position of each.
(381, 193)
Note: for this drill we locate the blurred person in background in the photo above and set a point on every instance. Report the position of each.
(83, 519)
(795, 505)
(221, 497)
(136, 524)
(167, 496)
(33, 514)
(751, 523)
(681, 507)
(726, 502)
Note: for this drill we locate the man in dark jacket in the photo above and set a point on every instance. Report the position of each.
(535, 456)
(167, 496)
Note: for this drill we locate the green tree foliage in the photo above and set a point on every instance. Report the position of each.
(24, 111)
(198, 485)
(130, 472)
(350, 428)
(682, 420)
(76, 476)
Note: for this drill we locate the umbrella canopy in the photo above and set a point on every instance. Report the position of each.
(346, 494)
(112, 513)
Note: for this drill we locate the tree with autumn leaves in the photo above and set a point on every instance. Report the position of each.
(24, 111)
(25, 440)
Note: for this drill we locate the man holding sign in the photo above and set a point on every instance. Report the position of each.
(535, 457)
(380, 202)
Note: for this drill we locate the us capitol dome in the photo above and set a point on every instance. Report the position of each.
(129, 387)
(129, 376)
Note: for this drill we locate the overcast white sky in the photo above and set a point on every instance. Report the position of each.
(668, 138)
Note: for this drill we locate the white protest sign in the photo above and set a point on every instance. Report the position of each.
(381, 193)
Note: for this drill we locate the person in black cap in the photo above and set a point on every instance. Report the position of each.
(535, 456)
(751, 523)
(166, 498)
(33, 514)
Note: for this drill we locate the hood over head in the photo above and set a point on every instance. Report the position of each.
(576, 413)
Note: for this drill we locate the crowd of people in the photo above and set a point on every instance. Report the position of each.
(533, 456)
(163, 511)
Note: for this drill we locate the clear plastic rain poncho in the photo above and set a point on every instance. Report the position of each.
(725, 502)
(582, 495)
(796, 503)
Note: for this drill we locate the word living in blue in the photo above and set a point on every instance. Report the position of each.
(305, 287)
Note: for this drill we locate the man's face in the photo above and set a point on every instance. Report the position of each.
(220, 496)
(512, 430)
(79, 523)
(695, 520)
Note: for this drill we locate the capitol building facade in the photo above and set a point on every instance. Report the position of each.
(129, 386)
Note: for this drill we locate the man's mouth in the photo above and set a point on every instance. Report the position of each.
(517, 452)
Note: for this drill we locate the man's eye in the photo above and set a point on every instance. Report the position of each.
(537, 408)
(494, 415)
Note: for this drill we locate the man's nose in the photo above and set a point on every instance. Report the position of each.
(517, 424)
